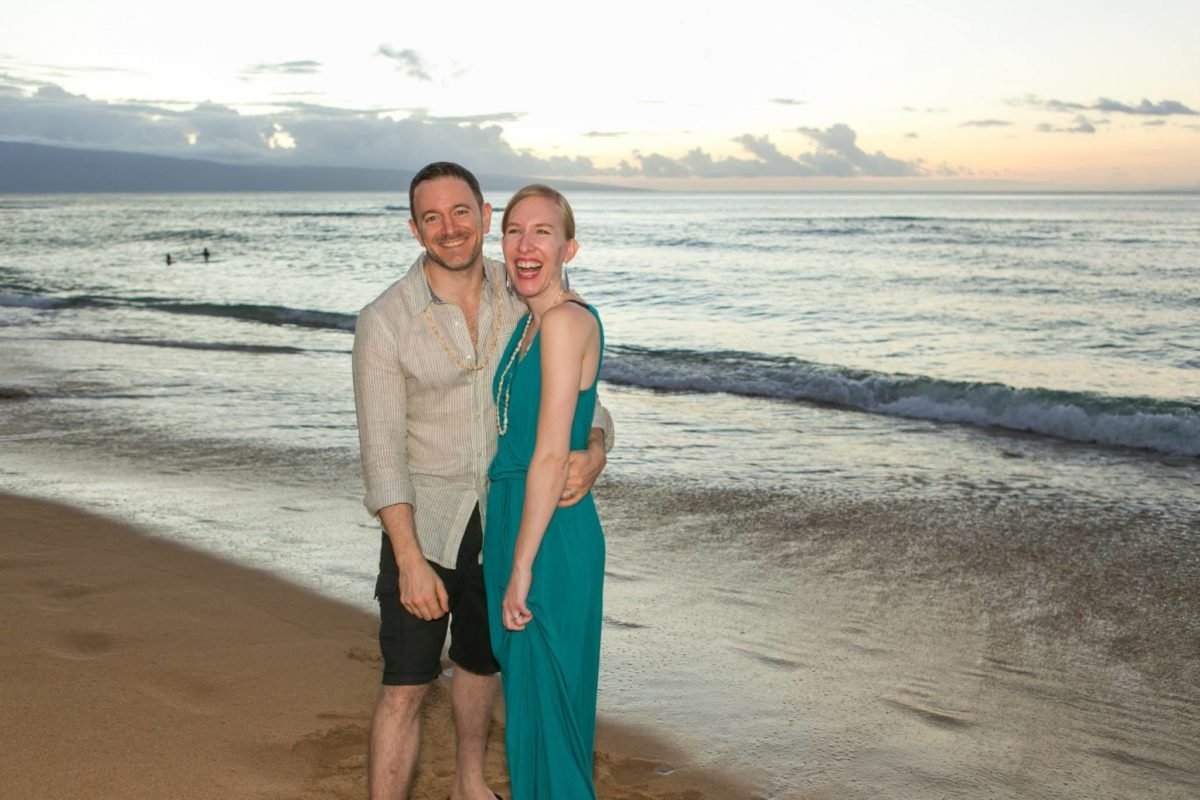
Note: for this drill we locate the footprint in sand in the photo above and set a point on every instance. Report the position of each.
(364, 655)
(184, 691)
(328, 750)
(81, 645)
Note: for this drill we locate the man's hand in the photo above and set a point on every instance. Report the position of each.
(583, 467)
(422, 592)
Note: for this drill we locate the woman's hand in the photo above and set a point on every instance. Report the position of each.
(515, 613)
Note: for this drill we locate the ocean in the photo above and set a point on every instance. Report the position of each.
(905, 500)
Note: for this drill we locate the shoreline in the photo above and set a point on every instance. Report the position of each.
(144, 669)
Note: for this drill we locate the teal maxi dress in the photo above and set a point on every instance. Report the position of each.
(549, 670)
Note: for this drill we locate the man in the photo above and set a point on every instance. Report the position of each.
(425, 353)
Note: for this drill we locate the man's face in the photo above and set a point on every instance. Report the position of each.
(449, 223)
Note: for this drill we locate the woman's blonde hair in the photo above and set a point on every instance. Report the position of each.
(550, 193)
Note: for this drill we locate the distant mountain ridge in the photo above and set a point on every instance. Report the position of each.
(40, 169)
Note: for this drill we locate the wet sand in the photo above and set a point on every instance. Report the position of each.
(980, 646)
(136, 668)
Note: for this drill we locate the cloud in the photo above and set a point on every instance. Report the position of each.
(1082, 125)
(986, 123)
(410, 62)
(787, 101)
(10, 82)
(300, 133)
(836, 155)
(30, 74)
(659, 166)
(283, 68)
(1154, 123)
(924, 110)
(837, 149)
(293, 134)
(1163, 108)
(318, 109)
(911, 135)
(772, 161)
(605, 134)
(480, 119)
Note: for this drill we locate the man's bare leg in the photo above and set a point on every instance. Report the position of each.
(395, 741)
(471, 697)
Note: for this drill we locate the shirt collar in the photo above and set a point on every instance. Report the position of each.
(422, 293)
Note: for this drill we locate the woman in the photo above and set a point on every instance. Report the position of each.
(544, 566)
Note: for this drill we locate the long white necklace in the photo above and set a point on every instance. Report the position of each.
(503, 390)
(483, 359)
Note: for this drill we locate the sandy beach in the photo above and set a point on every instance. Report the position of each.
(137, 668)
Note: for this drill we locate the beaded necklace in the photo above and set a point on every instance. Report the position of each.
(495, 332)
(504, 392)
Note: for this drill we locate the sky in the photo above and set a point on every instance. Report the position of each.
(1054, 94)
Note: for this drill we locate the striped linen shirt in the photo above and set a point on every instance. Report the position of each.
(427, 427)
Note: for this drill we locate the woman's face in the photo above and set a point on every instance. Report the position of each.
(536, 246)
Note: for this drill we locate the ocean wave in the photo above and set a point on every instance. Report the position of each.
(17, 392)
(21, 392)
(27, 300)
(682, 241)
(1159, 425)
(336, 214)
(266, 314)
(193, 234)
(233, 347)
(270, 315)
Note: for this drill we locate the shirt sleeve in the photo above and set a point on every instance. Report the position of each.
(603, 420)
(380, 402)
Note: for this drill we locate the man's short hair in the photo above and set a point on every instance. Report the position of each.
(443, 169)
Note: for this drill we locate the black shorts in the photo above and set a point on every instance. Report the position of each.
(411, 646)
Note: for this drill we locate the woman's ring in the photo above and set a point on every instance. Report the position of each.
(570, 492)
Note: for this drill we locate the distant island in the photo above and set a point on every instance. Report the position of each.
(40, 169)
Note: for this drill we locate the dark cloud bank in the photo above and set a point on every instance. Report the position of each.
(300, 134)
(1163, 108)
